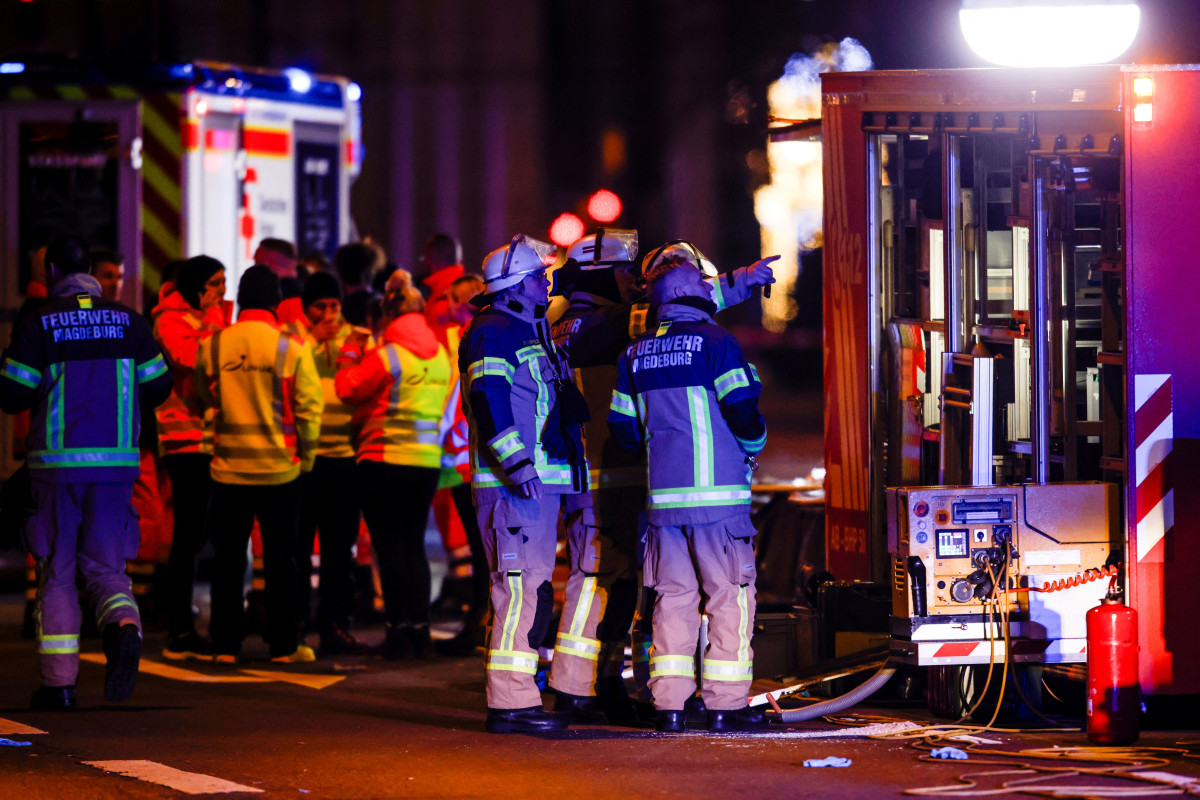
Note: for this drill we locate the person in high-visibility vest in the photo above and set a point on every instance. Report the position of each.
(330, 506)
(399, 389)
(264, 386)
(184, 319)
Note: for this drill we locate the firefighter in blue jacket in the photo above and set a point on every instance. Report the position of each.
(525, 417)
(687, 395)
(86, 367)
(601, 280)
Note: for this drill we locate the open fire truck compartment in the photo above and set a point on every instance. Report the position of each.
(1009, 266)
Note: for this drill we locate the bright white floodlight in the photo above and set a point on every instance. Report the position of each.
(1049, 33)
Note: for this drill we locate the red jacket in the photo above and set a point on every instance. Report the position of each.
(437, 307)
(180, 329)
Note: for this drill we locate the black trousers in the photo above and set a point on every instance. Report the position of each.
(191, 489)
(234, 509)
(329, 508)
(396, 501)
(480, 572)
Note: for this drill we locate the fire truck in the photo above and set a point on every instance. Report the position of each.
(1008, 265)
(169, 162)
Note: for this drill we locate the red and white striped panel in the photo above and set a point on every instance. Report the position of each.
(981, 652)
(1154, 432)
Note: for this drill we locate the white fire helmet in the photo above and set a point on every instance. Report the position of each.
(680, 248)
(507, 266)
(604, 249)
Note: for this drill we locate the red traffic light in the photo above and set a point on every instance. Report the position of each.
(566, 229)
(604, 206)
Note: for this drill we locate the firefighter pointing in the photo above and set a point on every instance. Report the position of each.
(686, 393)
(525, 419)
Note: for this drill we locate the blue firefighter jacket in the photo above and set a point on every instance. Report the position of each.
(86, 367)
(510, 369)
(688, 395)
(594, 331)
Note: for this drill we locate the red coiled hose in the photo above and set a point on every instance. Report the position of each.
(1075, 580)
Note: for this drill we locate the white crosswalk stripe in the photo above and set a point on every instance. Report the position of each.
(177, 779)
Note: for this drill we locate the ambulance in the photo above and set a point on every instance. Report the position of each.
(168, 162)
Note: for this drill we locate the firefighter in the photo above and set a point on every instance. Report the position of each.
(184, 320)
(267, 395)
(84, 366)
(686, 393)
(400, 392)
(525, 420)
(330, 505)
(600, 279)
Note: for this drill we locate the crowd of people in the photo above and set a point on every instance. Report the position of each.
(343, 397)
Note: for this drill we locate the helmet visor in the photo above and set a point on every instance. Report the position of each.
(608, 240)
(526, 254)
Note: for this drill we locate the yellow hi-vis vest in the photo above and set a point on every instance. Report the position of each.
(403, 421)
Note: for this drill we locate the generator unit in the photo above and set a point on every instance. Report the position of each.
(1044, 550)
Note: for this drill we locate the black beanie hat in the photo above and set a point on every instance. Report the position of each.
(192, 276)
(259, 288)
(321, 286)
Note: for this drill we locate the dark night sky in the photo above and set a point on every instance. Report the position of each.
(646, 67)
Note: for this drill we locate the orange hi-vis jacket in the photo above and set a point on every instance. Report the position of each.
(337, 432)
(183, 424)
(264, 386)
(400, 389)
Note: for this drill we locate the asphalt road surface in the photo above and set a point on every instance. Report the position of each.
(362, 727)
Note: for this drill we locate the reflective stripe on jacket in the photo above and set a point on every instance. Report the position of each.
(265, 389)
(676, 383)
(509, 368)
(86, 367)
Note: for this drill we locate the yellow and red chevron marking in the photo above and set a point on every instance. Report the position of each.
(161, 154)
(162, 150)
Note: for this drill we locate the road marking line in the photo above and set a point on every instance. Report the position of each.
(177, 779)
(242, 676)
(11, 728)
(298, 678)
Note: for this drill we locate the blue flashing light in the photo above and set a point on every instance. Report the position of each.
(181, 71)
(353, 92)
(11, 68)
(299, 80)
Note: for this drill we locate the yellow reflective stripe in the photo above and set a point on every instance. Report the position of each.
(623, 404)
(491, 366)
(58, 644)
(512, 661)
(577, 646)
(718, 670)
(116, 601)
(744, 624)
(516, 597)
(683, 666)
(584, 606)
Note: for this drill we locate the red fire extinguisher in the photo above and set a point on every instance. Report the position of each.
(1113, 694)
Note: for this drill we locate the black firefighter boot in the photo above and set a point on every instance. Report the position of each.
(738, 720)
(534, 719)
(579, 709)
